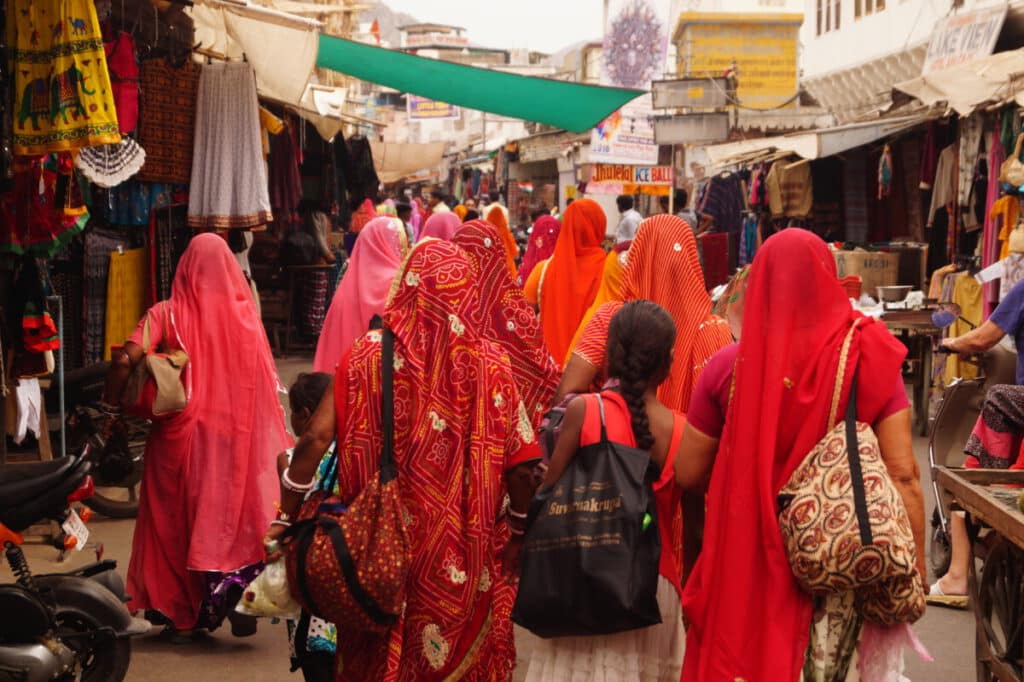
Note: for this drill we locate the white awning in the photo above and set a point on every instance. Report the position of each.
(815, 144)
(394, 161)
(994, 79)
(281, 47)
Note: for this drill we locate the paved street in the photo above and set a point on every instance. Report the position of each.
(949, 635)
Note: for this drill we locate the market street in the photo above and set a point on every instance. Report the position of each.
(948, 634)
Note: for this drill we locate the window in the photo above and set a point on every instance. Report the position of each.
(865, 7)
(828, 15)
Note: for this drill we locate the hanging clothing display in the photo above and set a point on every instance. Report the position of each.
(990, 234)
(723, 202)
(124, 80)
(126, 296)
(31, 219)
(228, 188)
(63, 94)
(67, 281)
(790, 189)
(285, 183)
(169, 236)
(966, 294)
(967, 162)
(1003, 218)
(167, 119)
(944, 189)
(6, 113)
(98, 246)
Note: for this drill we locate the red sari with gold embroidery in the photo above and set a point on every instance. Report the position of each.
(459, 425)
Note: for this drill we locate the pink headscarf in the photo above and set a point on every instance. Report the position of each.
(233, 427)
(416, 220)
(541, 245)
(440, 226)
(363, 291)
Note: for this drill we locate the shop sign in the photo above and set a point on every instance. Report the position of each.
(704, 93)
(545, 147)
(621, 179)
(436, 40)
(964, 37)
(761, 48)
(423, 109)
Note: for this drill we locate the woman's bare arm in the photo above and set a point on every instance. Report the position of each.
(695, 459)
(576, 378)
(895, 442)
(121, 365)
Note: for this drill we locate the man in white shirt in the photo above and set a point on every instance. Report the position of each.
(630, 220)
(437, 204)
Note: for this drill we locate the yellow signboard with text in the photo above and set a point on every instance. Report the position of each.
(762, 47)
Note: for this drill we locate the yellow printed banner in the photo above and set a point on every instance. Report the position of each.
(63, 98)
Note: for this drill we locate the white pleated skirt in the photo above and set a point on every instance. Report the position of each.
(653, 654)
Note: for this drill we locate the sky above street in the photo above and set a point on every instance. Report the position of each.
(541, 25)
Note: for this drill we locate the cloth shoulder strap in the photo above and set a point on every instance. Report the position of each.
(837, 393)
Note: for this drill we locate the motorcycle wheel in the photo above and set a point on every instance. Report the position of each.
(116, 499)
(939, 549)
(107, 661)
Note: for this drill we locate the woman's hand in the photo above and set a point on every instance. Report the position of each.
(273, 535)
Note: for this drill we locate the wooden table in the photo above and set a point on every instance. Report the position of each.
(995, 580)
(915, 329)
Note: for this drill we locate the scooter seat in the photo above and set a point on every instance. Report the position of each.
(20, 483)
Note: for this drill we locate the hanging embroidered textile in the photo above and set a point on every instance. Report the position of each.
(63, 96)
(167, 120)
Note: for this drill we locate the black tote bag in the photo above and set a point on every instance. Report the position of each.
(589, 564)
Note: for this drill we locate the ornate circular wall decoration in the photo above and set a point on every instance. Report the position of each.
(633, 47)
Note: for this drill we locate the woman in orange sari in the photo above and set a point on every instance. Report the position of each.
(496, 216)
(564, 286)
(663, 267)
(610, 290)
(461, 442)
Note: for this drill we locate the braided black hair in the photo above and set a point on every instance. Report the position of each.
(308, 389)
(640, 340)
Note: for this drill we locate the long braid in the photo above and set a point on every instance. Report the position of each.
(640, 340)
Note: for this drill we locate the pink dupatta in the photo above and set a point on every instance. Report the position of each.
(363, 291)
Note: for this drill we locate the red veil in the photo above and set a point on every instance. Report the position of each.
(506, 317)
(748, 618)
(458, 427)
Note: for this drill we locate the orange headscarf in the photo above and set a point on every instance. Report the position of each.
(496, 216)
(610, 290)
(573, 275)
(663, 267)
(460, 211)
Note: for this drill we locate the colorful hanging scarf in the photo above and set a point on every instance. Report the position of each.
(63, 95)
(747, 616)
(573, 275)
(440, 226)
(506, 317)
(542, 244)
(376, 257)
(454, 440)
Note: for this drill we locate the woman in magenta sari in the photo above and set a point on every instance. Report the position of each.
(210, 482)
(363, 290)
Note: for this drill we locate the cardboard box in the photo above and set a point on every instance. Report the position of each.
(875, 268)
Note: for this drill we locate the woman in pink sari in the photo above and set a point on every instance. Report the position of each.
(363, 291)
(210, 481)
(440, 226)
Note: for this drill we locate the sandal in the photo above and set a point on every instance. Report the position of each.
(939, 598)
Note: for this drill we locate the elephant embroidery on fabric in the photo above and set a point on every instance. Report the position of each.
(54, 96)
(58, 28)
(64, 94)
(35, 102)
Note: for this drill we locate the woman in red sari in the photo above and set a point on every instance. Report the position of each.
(748, 618)
(506, 318)
(210, 482)
(461, 442)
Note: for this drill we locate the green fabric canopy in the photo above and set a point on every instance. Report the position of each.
(572, 106)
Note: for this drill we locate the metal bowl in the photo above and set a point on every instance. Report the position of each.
(893, 294)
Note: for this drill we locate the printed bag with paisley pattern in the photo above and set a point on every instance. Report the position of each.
(843, 522)
(348, 564)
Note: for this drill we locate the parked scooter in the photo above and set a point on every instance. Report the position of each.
(957, 412)
(70, 627)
